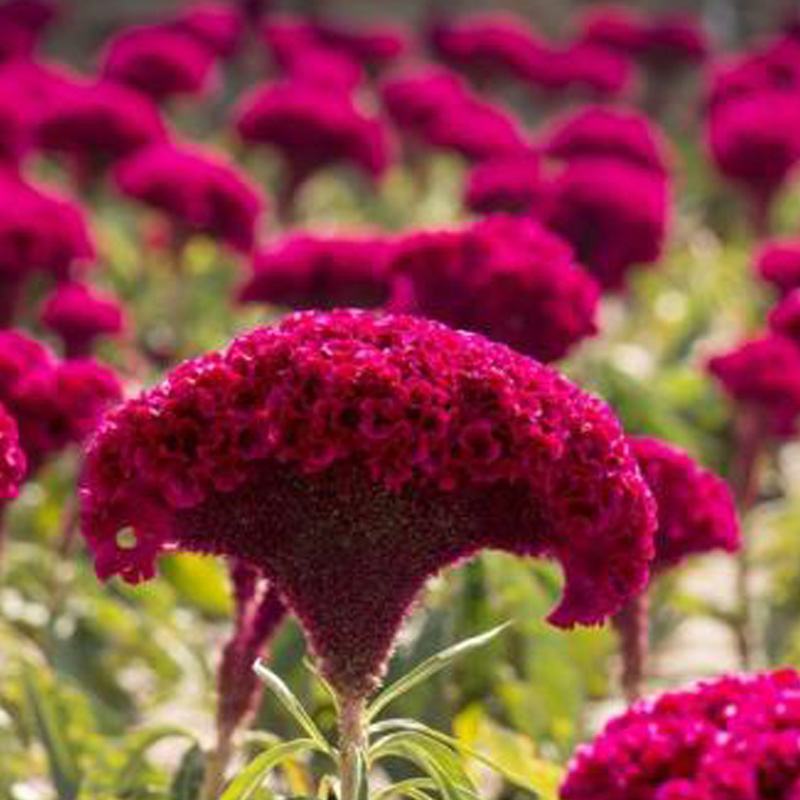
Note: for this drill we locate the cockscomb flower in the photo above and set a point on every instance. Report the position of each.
(199, 191)
(736, 736)
(12, 459)
(675, 39)
(504, 277)
(306, 271)
(312, 128)
(778, 264)
(55, 404)
(159, 61)
(16, 136)
(94, 125)
(350, 456)
(216, 26)
(763, 376)
(784, 318)
(512, 184)
(614, 214)
(376, 45)
(615, 27)
(619, 133)
(39, 232)
(585, 66)
(755, 143)
(22, 23)
(80, 315)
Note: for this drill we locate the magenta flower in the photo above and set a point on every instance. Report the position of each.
(22, 23)
(614, 27)
(312, 128)
(55, 404)
(778, 264)
(94, 125)
(594, 69)
(784, 318)
(755, 143)
(16, 138)
(508, 184)
(199, 191)
(614, 214)
(504, 277)
(376, 45)
(763, 376)
(613, 132)
(735, 737)
(39, 232)
(80, 314)
(12, 459)
(350, 456)
(159, 61)
(216, 26)
(306, 271)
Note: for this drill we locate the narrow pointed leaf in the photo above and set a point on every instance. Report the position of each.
(404, 788)
(188, 778)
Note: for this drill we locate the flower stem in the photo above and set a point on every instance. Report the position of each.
(633, 626)
(352, 739)
(215, 766)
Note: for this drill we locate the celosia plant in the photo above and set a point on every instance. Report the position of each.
(505, 277)
(735, 737)
(512, 184)
(215, 25)
(22, 24)
(778, 263)
(12, 459)
(306, 271)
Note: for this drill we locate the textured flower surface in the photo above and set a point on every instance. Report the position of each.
(199, 191)
(159, 61)
(80, 314)
(505, 277)
(22, 23)
(306, 271)
(415, 98)
(350, 456)
(377, 45)
(778, 263)
(511, 184)
(784, 318)
(735, 737)
(614, 214)
(696, 511)
(313, 127)
(12, 459)
(763, 374)
(214, 25)
(617, 133)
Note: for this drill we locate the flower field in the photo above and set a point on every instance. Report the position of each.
(398, 408)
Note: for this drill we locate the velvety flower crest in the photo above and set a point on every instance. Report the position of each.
(778, 263)
(506, 184)
(217, 26)
(12, 459)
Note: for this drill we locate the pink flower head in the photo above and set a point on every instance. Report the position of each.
(16, 139)
(674, 39)
(199, 191)
(350, 456)
(614, 214)
(617, 133)
(784, 318)
(734, 737)
(216, 26)
(22, 23)
(696, 511)
(97, 124)
(376, 45)
(305, 271)
(763, 375)
(313, 128)
(755, 142)
(55, 404)
(80, 314)
(504, 277)
(594, 69)
(778, 264)
(12, 459)
(511, 184)
(614, 27)
(160, 62)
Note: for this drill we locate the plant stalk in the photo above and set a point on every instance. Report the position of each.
(633, 626)
(352, 740)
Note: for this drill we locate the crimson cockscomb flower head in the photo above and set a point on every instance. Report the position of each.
(696, 511)
(199, 191)
(22, 23)
(306, 271)
(12, 459)
(595, 70)
(763, 376)
(614, 214)
(159, 61)
(80, 315)
(505, 277)
(377, 45)
(615, 27)
(784, 318)
(675, 39)
(96, 124)
(508, 184)
(755, 143)
(16, 137)
(734, 737)
(350, 456)
(216, 26)
(313, 128)
(618, 133)
(778, 264)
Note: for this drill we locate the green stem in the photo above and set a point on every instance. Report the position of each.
(352, 739)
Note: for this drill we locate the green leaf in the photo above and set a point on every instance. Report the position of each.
(250, 778)
(290, 702)
(188, 779)
(430, 667)
(405, 788)
(61, 760)
(144, 741)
